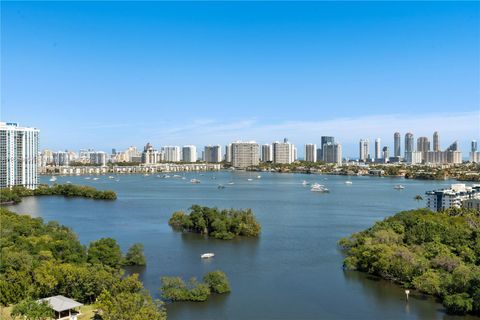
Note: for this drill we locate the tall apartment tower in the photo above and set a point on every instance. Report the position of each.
(397, 149)
(171, 153)
(385, 154)
(283, 152)
(18, 156)
(212, 154)
(332, 153)
(423, 145)
(364, 150)
(311, 152)
(436, 141)
(474, 146)
(378, 149)
(267, 153)
(189, 153)
(245, 154)
(324, 140)
(409, 142)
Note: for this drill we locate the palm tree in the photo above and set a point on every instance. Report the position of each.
(418, 198)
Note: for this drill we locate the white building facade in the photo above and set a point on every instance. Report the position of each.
(245, 154)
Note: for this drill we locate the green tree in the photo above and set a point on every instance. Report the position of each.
(459, 303)
(105, 251)
(217, 281)
(32, 310)
(135, 256)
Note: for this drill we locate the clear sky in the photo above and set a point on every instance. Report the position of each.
(112, 74)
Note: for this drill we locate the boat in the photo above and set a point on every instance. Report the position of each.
(177, 176)
(53, 178)
(111, 177)
(146, 175)
(305, 183)
(249, 179)
(319, 188)
(166, 176)
(207, 255)
(68, 182)
(231, 182)
(194, 181)
(398, 187)
(259, 177)
(348, 182)
(95, 178)
(87, 178)
(183, 178)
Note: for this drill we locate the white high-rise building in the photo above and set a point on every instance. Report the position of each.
(311, 152)
(385, 154)
(171, 153)
(283, 152)
(378, 149)
(212, 154)
(397, 144)
(62, 158)
(245, 154)
(364, 150)
(228, 153)
(189, 153)
(18, 156)
(267, 153)
(98, 158)
(413, 157)
(150, 155)
(332, 153)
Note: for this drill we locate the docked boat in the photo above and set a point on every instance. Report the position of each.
(53, 178)
(194, 181)
(399, 187)
(319, 188)
(207, 255)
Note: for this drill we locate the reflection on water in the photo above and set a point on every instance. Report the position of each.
(292, 271)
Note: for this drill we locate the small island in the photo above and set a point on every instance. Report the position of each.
(15, 194)
(436, 253)
(223, 224)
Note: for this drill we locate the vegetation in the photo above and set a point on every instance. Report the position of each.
(40, 259)
(15, 194)
(175, 289)
(221, 224)
(436, 253)
(135, 256)
(32, 310)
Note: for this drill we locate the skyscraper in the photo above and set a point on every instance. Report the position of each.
(423, 145)
(189, 153)
(283, 152)
(364, 150)
(171, 153)
(474, 146)
(150, 155)
(397, 145)
(385, 154)
(18, 156)
(212, 154)
(267, 153)
(245, 154)
(332, 153)
(409, 142)
(324, 140)
(228, 153)
(98, 158)
(474, 154)
(377, 149)
(436, 141)
(311, 152)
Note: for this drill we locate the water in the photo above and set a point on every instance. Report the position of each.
(293, 271)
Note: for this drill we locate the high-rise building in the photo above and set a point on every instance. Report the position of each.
(171, 153)
(385, 154)
(332, 153)
(228, 153)
(98, 158)
(364, 150)
(283, 152)
(18, 156)
(423, 145)
(409, 142)
(474, 146)
(150, 155)
(397, 149)
(451, 155)
(267, 153)
(46, 158)
(62, 158)
(436, 141)
(189, 153)
(311, 152)
(474, 154)
(377, 149)
(245, 154)
(212, 154)
(324, 140)
(413, 157)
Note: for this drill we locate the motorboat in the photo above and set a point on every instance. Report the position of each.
(231, 182)
(95, 178)
(249, 179)
(177, 176)
(398, 187)
(87, 178)
(194, 181)
(111, 177)
(207, 255)
(348, 182)
(146, 175)
(305, 183)
(259, 177)
(319, 188)
(53, 178)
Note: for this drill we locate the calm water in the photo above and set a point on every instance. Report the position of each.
(293, 271)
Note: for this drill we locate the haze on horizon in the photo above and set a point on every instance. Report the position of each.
(112, 74)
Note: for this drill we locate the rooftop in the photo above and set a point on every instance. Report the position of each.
(61, 303)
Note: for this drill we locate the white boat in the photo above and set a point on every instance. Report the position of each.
(305, 183)
(177, 176)
(87, 178)
(68, 182)
(259, 177)
(53, 178)
(207, 255)
(194, 181)
(319, 188)
(95, 178)
(166, 176)
(399, 187)
(146, 175)
(249, 179)
(231, 182)
(348, 182)
(111, 177)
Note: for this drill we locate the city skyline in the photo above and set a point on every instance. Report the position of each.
(240, 71)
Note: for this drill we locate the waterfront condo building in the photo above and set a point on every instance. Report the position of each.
(212, 154)
(228, 153)
(267, 153)
(98, 158)
(18, 156)
(171, 153)
(364, 150)
(283, 152)
(311, 152)
(189, 153)
(455, 196)
(245, 154)
(332, 153)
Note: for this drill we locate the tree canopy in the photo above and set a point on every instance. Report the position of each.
(435, 253)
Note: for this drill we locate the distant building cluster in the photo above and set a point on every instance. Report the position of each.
(457, 196)
(423, 153)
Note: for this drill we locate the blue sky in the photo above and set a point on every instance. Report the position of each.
(112, 74)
